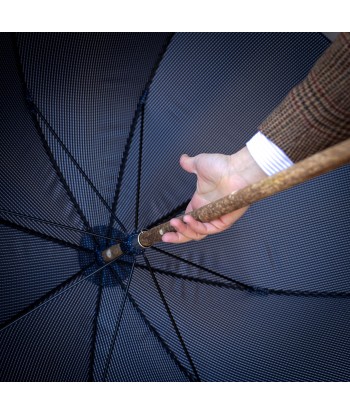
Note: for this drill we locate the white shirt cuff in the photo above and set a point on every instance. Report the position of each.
(270, 158)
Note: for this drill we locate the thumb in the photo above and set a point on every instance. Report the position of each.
(188, 163)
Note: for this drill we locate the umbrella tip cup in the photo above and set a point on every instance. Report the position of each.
(131, 245)
(112, 253)
(108, 254)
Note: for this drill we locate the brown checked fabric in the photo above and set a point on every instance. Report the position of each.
(316, 113)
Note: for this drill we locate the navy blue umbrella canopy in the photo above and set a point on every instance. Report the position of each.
(92, 128)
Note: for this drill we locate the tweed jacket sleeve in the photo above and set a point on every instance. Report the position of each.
(316, 113)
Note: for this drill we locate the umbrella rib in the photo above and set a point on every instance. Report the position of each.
(49, 296)
(234, 285)
(170, 214)
(29, 102)
(186, 261)
(117, 326)
(77, 165)
(142, 100)
(192, 279)
(43, 235)
(94, 332)
(122, 167)
(154, 331)
(138, 189)
(59, 225)
(171, 317)
(53, 294)
(44, 221)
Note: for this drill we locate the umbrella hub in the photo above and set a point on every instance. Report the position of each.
(115, 272)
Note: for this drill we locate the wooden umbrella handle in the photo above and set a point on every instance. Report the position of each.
(319, 163)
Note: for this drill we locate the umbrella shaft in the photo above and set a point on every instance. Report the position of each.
(313, 166)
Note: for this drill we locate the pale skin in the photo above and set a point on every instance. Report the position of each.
(217, 176)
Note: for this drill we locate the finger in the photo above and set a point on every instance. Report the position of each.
(174, 238)
(225, 222)
(186, 230)
(204, 228)
(187, 163)
(229, 219)
(196, 226)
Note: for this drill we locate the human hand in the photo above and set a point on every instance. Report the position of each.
(217, 176)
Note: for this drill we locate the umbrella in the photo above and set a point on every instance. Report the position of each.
(92, 127)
